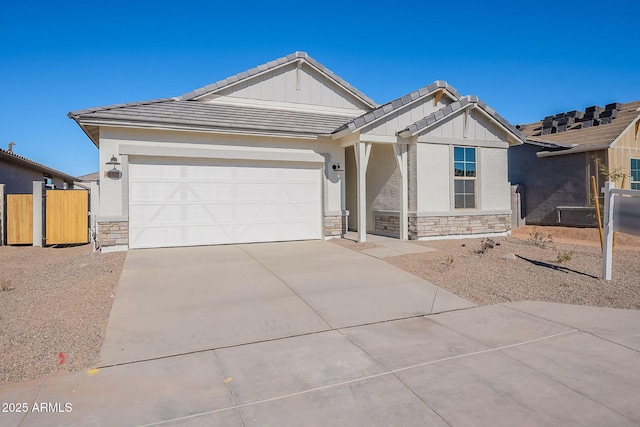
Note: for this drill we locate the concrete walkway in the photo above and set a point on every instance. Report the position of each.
(388, 246)
(525, 363)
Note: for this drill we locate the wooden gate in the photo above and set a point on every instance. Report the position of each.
(67, 219)
(19, 219)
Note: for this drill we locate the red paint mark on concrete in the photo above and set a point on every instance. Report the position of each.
(61, 358)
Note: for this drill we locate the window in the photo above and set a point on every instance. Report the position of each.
(635, 174)
(464, 181)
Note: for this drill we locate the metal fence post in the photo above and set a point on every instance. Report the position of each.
(607, 253)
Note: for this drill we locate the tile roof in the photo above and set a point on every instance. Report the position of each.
(396, 104)
(270, 65)
(94, 176)
(21, 160)
(456, 106)
(200, 115)
(586, 139)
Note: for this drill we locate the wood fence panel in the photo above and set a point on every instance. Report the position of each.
(19, 219)
(67, 217)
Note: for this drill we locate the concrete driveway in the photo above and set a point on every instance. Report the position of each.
(309, 333)
(180, 300)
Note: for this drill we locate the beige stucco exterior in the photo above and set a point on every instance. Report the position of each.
(384, 183)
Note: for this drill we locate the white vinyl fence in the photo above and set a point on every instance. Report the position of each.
(621, 213)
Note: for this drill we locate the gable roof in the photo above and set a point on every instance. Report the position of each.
(463, 103)
(276, 63)
(385, 109)
(178, 114)
(23, 161)
(184, 112)
(578, 139)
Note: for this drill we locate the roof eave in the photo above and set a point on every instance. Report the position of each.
(351, 127)
(574, 150)
(512, 137)
(215, 130)
(35, 165)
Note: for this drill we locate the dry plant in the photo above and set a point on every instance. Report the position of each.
(540, 239)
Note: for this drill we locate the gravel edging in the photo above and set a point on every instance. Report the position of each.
(54, 308)
(517, 270)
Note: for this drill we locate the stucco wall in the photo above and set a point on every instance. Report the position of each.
(153, 142)
(433, 175)
(550, 182)
(19, 179)
(495, 192)
(383, 182)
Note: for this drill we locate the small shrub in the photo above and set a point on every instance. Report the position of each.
(485, 245)
(540, 239)
(563, 256)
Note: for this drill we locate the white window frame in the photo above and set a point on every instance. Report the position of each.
(476, 185)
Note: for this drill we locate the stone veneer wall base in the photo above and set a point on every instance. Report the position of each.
(472, 224)
(335, 225)
(113, 233)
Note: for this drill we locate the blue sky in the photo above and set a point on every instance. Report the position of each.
(526, 60)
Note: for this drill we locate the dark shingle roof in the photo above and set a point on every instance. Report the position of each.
(200, 115)
(21, 160)
(396, 104)
(586, 139)
(270, 65)
(458, 105)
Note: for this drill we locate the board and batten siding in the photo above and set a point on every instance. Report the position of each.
(290, 85)
(626, 148)
(406, 116)
(478, 128)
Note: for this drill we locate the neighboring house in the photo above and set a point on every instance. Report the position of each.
(90, 177)
(18, 173)
(561, 154)
(290, 151)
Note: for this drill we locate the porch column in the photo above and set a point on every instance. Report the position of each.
(362, 152)
(401, 159)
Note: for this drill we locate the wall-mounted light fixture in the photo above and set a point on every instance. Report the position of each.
(113, 173)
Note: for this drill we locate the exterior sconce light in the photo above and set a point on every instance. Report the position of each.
(113, 173)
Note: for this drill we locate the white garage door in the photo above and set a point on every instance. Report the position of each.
(189, 203)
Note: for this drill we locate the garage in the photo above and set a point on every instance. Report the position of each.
(190, 202)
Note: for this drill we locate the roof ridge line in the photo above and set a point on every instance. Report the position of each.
(388, 107)
(456, 106)
(204, 90)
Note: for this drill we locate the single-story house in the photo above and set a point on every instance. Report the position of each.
(18, 173)
(563, 151)
(290, 151)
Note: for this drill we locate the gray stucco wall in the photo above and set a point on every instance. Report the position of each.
(550, 182)
(19, 179)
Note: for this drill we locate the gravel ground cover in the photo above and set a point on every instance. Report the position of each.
(566, 270)
(55, 302)
(54, 307)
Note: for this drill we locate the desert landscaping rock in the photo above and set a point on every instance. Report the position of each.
(54, 317)
(535, 273)
(55, 302)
